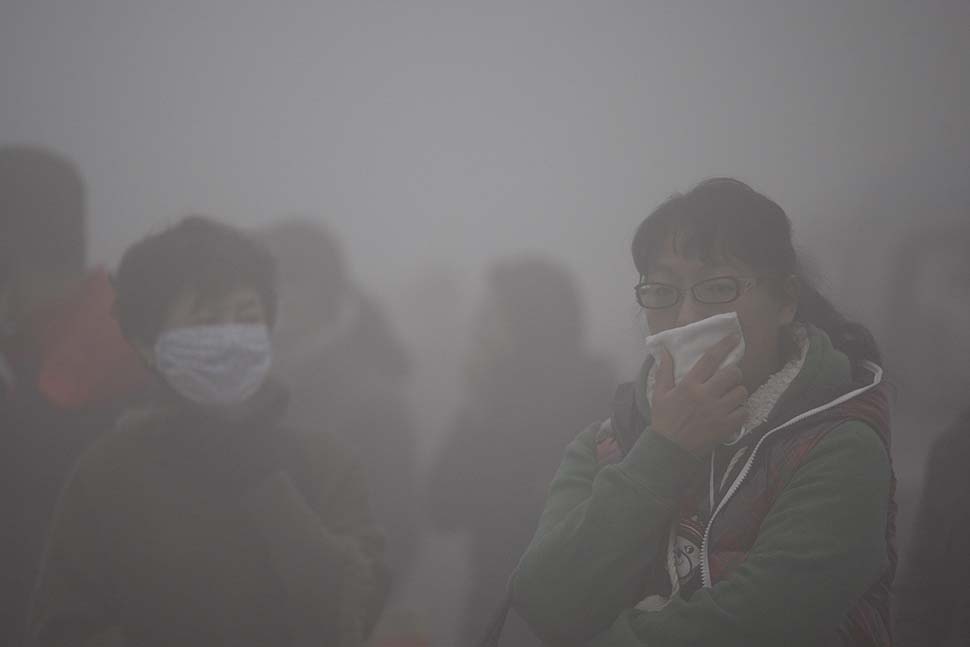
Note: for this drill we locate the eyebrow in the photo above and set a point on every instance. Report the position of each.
(713, 271)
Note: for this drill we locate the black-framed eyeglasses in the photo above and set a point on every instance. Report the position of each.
(714, 291)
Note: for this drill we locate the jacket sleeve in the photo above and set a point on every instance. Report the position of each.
(326, 549)
(601, 530)
(934, 580)
(820, 548)
(75, 602)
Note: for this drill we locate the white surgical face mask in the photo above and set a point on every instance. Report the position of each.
(688, 344)
(222, 365)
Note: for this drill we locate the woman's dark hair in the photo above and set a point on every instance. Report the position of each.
(724, 218)
(198, 254)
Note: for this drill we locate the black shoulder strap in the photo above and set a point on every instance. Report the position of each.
(626, 420)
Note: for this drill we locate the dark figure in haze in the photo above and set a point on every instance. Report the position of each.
(343, 367)
(532, 383)
(933, 598)
(738, 496)
(65, 369)
(201, 520)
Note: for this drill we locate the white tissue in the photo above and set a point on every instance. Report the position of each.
(688, 344)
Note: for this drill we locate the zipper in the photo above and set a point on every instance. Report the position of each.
(743, 474)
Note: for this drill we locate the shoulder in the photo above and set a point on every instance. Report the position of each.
(591, 436)
(584, 450)
(851, 448)
(856, 437)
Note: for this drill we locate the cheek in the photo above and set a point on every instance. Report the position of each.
(760, 328)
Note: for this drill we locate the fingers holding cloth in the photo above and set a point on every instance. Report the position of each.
(696, 393)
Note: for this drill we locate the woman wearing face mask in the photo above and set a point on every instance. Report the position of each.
(202, 521)
(742, 499)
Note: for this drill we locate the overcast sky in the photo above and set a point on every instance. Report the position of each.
(446, 133)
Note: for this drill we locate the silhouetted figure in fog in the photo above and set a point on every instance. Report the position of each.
(932, 301)
(933, 598)
(345, 370)
(532, 382)
(928, 296)
(202, 520)
(65, 369)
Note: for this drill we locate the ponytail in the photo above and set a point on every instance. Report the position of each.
(853, 339)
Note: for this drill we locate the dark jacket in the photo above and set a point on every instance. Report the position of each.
(933, 597)
(70, 372)
(181, 529)
(355, 385)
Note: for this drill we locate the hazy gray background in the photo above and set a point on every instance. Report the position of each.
(443, 133)
(435, 136)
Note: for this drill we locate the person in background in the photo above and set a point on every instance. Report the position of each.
(342, 364)
(931, 296)
(65, 369)
(202, 520)
(532, 382)
(730, 502)
(932, 602)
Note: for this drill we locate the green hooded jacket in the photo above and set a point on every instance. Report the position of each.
(819, 548)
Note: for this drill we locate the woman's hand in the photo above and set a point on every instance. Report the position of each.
(707, 407)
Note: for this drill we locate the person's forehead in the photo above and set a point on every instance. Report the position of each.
(668, 263)
(235, 296)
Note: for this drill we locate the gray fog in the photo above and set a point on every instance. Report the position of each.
(443, 134)
(434, 138)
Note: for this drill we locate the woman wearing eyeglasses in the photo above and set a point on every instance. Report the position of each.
(742, 499)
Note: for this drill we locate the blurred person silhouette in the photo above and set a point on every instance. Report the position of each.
(532, 382)
(65, 368)
(202, 519)
(741, 492)
(927, 300)
(346, 369)
(930, 294)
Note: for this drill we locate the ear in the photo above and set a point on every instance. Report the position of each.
(790, 290)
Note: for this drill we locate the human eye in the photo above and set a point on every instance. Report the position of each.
(657, 295)
(716, 290)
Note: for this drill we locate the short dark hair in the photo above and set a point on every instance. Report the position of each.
(197, 254)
